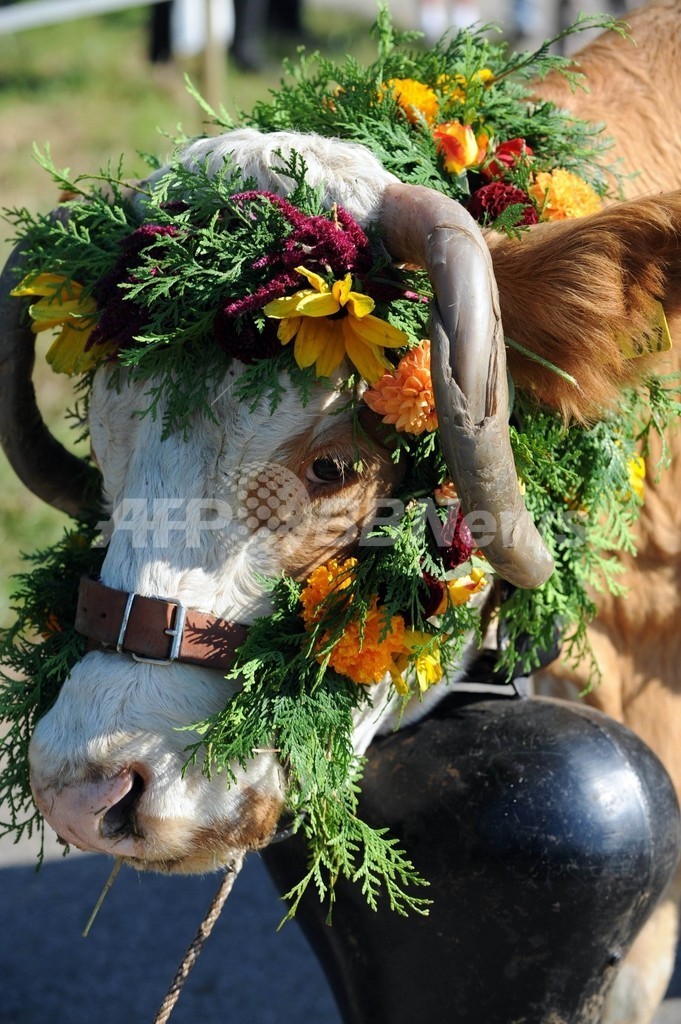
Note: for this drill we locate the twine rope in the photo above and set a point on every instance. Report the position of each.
(195, 947)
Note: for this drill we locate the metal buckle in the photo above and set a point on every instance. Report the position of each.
(175, 631)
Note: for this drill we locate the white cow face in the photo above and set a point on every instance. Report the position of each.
(247, 494)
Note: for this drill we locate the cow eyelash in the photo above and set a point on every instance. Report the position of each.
(329, 469)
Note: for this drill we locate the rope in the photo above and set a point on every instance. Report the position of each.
(195, 947)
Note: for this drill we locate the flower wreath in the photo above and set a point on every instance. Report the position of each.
(300, 289)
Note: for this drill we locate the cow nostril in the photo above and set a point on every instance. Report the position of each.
(119, 820)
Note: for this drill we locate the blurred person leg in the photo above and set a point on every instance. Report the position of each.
(160, 43)
(286, 16)
(248, 45)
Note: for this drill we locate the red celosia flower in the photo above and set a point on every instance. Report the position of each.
(489, 201)
(338, 245)
(506, 155)
(323, 244)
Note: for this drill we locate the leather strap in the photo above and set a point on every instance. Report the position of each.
(154, 629)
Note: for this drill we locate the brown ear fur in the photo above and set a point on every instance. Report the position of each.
(570, 289)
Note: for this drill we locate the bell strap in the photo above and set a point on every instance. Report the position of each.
(156, 630)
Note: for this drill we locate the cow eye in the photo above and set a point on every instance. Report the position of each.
(329, 471)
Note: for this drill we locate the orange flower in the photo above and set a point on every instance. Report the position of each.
(405, 396)
(363, 653)
(562, 195)
(446, 493)
(325, 580)
(416, 99)
(460, 146)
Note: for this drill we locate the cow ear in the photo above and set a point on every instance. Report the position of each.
(587, 295)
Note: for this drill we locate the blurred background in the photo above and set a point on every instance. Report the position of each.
(94, 79)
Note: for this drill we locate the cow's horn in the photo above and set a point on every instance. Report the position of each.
(40, 461)
(469, 374)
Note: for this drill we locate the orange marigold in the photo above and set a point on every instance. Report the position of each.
(363, 653)
(562, 195)
(324, 580)
(416, 99)
(405, 396)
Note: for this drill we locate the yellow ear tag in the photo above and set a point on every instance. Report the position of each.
(656, 338)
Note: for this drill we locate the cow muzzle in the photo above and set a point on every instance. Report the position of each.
(115, 815)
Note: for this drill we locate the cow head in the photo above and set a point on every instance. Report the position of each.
(204, 519)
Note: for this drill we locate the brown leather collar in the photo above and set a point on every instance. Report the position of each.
(154, 629)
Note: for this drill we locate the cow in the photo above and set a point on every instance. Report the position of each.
(108, 761)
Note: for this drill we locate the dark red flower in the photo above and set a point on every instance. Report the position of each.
(488, 202)
(506, 156)
(457, 539)
(122, 319)
(436, 591)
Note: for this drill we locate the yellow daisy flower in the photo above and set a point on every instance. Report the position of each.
(323, 337)
(62, 304)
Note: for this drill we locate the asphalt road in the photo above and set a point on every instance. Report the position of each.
(248, 972)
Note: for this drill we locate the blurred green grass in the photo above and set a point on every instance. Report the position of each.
(87, 89)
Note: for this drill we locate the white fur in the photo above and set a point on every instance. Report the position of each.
(349, 173)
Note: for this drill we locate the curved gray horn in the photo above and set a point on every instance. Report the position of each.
(41, 462)
(468, 362)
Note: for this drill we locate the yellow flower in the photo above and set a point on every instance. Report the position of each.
(416, 99)
(462, 589)
(405, 396)
(637, 474)
(562, 195)
(323, 338)
(63, 305)
(454, 88)
(422, 653)
(460, 146)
